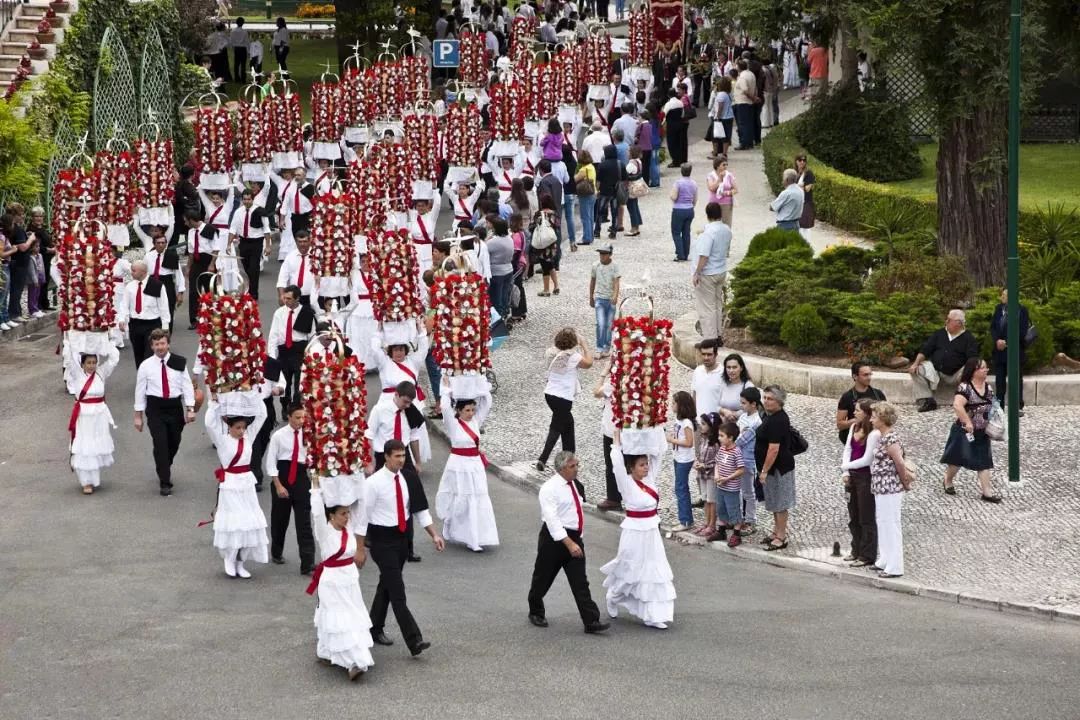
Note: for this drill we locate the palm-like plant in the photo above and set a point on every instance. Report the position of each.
(1050, 251)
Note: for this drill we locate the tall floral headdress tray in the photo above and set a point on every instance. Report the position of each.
(335, 228)
(214, 144)
(596, 59)
(75, 197)
(540, 97)
(232, 349)
(522, 31)
(327, 118)
(642, 46)
(253, 129)
(395, 269)
(507, 114)
(473, 58)
(462, 331)
(358, 101)
(640, 366)
(154, 187)
(116, 194)
(287, 142)
(335, 397)
(422, 144)
(87, 311)
(395, 175)
(463, 143)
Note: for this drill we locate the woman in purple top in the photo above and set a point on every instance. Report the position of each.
(684, 198)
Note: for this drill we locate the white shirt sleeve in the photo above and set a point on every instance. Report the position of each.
(549, 512)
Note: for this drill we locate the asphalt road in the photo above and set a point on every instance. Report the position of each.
(116, 606)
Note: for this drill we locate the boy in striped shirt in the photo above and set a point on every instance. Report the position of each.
(729, 471)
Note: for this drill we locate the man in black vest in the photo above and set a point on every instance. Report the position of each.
(290, 330)
(144, 308)
(200, 240)
(164, 391)
(249, 230)
(286, 463)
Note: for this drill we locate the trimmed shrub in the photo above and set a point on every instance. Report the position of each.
(1063, 311)
(775, 239)
(981, 313)
(883, 151)
(755, 276)
(943, 278)
(883, 329)
(843, 267)
(803, 330)
(765, 315)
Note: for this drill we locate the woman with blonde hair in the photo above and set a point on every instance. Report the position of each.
(890, 478)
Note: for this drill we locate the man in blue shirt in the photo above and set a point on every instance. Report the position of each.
(788, 205)
(710, 251)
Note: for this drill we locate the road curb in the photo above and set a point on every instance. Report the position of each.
(522, 479)
(33, 325)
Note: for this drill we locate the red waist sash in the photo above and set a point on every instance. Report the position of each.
(75, 412)
(470, 452)
(640, 513)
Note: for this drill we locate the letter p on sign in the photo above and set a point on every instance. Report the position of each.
(445, 53)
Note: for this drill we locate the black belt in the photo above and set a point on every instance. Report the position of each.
(156, 402)
(151, 321)
(386, 532)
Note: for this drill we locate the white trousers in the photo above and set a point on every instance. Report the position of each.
(89, 477)
(926, 379)
(890, 532)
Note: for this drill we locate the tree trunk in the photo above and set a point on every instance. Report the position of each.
(971, 189)
(849, 54)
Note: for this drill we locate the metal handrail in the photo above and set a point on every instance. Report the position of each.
(7, 13)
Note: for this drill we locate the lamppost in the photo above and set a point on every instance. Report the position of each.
(1012, 268)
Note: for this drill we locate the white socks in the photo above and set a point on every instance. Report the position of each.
(230, 567)
(612, 610)
(241, 571)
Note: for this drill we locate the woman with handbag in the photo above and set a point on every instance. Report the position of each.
(585, 184)
(890, 478)
(722, 188)
(545, 245)
(806, 182)
(968, 445)
(636, 187)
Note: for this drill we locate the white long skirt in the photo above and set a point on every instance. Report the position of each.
(360, 331)
(463, 504)
(640, 578)
(342, 624)
(239, 522)
(92, 448)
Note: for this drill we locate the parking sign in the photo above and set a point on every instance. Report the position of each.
(446, 53)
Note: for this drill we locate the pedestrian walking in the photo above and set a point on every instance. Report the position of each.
(165, 394)
(683, 198)
(286, 466)
(568, 354)
(710, 253)
(604, 297)
(91, 422)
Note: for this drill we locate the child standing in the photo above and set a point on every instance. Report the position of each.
(604, 297)
(37, 282)
(681, 439)
(729, 472)
(708, 446)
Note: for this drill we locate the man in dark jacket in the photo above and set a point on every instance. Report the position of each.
(941, 359)
(608, 175)
(999, 333)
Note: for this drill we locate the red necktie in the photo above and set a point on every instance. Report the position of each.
(296, 200)
(247, 220)
(577, 506)
(164, 381)
(196, 253)
(288, 331)
(157, 266)
(400, 504)
(138, 299)
(295, 456)
(300, 274)
(397, 426)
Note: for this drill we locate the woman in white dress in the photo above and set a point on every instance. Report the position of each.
(91, 436)
(639, 578)
(462, 501)
(361, 326)
(342, 624)
(239, 522)
(402, 363)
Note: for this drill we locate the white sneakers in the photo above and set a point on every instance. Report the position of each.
(5, 327)
(241, 571)
(38, 314)
(612, 610)
(230, 567)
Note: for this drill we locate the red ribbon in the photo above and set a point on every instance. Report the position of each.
(334, 560)
(233, 468)
(648, 491)
(412, 376)
(423, 231)
(467, 213)
(78, 404)
(475, 438)
(640, 513)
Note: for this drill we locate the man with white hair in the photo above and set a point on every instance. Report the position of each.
(561, 546)
(595, 142)
(788, 204)
(941, 359)
(145, 308)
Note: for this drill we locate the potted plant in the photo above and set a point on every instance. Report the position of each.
(54, 19)
(60, 6)
(45, 34)
(35, 51)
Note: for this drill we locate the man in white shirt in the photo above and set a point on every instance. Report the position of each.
(145, 308)
(290, 330)
(708, 379)
(561, 546)
(595, 142)
(296, 270)
(397, 421)
(163, 264)
(392, 501)
(239, 40)
(255, 53)
(286, 464)
(249, 231)
(164, 391)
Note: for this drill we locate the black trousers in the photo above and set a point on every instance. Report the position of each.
(299, 504)
(380, 460)
(240, 64)
(862, 521)
(389, 549)
(219, 63)
(281, 54)
(140, 330)
(165, 421)
(1001, 381)
(45, 304)
(169, 283)
(561, 427)
(701, 91)
(197, 284)
(609, 472)
(551, 557)
(291, 360)
(250, 251)
(258, 448)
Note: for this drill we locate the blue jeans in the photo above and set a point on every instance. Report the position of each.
(587, 203)
(654, 169)
(728, 506)
(568, 213)
(605, 314)
(744, 120)
(434, 374)
(620, 8)
(682, 492)
(635, 212)
(499, 292)
(788, 224)
(681, 218)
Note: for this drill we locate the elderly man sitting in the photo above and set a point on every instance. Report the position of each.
(941, 359)
(788, 204)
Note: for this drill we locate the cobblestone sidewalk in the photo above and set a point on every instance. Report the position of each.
(1023, 550)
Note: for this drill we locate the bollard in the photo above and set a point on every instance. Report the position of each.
(836, 549)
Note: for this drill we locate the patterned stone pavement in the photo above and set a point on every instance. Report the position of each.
(1024, 550)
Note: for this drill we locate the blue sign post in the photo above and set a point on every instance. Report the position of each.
(445, 53)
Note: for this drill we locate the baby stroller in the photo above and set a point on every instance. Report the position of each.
(499, 333)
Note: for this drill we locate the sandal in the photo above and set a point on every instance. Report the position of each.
(770, 547)
(543, 293)
(990, 498)
(949, 489)
(555, 291)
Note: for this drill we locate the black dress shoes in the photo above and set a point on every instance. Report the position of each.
(596, 627)
(538, 620)
(419, 647)
(381, 639)
(165, 491)
(414, 558)
(277, 560)
(307, 570)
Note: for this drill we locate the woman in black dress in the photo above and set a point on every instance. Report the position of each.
(968, 445)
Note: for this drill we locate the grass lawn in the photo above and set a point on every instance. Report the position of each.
(307, 61)
(1048, 173)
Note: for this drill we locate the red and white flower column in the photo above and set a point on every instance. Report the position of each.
(358, 102)
(392, 259)
(642, 46)
(253, 130)
(87, 310)
(327, 120)
(462, 332)
(474, 63)
(154, 186)
(422, 145)
(75, 195)
(463, 140)
(507, 113)
(287, 137)
(214, 144)
(232, 349)
(640, 367)
(334, 229)
(116, 194)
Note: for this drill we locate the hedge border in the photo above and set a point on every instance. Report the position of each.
(843, 200)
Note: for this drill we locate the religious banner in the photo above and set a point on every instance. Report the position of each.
(668, 27)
